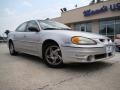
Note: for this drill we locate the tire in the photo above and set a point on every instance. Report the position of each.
(53, 56)
(12, 49)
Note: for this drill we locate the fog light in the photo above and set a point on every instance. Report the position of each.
(90, 58)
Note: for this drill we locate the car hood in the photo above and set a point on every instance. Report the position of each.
(76, 33)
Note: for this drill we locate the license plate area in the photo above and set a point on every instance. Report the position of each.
(109, 48)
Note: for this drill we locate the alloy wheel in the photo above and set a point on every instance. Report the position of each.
(53, 55)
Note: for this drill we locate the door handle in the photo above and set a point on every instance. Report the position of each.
(24, 36)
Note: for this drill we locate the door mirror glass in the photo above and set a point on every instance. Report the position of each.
(33, 29)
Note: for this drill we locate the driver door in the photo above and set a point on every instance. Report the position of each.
(32, 38)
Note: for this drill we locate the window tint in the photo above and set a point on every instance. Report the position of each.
(32, 24)
(22, 27)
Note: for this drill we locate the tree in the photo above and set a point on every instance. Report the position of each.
(98, 1)
(7, 32)
(92, 2)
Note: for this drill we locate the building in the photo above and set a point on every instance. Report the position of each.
(102, 18)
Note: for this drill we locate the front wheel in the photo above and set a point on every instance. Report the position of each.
(53, 56)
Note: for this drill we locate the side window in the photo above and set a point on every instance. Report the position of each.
(32, 24)
(22, 27)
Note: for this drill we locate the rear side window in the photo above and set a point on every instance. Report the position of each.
(22, 27)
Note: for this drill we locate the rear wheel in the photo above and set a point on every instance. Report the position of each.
(53, 56)
(12, 49)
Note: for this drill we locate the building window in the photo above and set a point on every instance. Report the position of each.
(117, 27)
(86, 27)
(103, 29)
(77, 27)
(110, 28)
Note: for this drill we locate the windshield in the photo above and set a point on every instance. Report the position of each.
(52, 25)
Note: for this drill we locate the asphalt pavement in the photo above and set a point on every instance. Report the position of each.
(26, 72)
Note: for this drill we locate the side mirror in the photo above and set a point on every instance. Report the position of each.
(33, 29)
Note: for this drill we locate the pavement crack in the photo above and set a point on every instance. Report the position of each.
(43, 87)
(65, 80)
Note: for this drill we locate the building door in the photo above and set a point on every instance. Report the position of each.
(83, 28)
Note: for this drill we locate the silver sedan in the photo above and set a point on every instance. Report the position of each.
(56, 43)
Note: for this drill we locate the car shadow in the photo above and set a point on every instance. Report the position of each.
(75, 67)
(30, 58)
(88, 67)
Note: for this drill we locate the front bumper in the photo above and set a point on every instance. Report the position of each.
(86, 54)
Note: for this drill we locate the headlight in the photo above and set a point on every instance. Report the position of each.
(82, 41)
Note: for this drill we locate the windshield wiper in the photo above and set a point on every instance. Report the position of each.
(57, 29)
(66, 28)
(50, 28)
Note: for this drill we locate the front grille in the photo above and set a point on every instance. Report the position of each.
(109, 54)
(100, 56)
